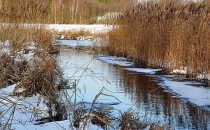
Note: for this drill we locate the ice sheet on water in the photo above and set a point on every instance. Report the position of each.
(98, 106)
(197, 96)
(143, 70)
(75, 43)
(114, 60)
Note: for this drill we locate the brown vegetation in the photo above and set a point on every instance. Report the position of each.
(27, 59)
(164, 36)
(72, 35)
(58, 11)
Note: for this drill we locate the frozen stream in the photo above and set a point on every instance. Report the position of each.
(156, 98)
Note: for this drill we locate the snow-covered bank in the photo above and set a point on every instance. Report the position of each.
(20, 111)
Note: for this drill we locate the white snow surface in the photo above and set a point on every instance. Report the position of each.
(143, 70)
(22, 109)
(76, 43)
(93, 28)
(198, 96)
(203, 76)
(179, 71)
(114, 60)
(26, 110)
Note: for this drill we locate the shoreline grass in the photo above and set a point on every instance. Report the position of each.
(159, 35)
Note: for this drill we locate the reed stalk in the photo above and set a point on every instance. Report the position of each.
(160, 35)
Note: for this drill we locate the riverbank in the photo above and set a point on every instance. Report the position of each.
(20, 49)
(172, 37)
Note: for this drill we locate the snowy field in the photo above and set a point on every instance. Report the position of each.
(94, 28)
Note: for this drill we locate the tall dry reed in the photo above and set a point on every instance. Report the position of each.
(58, 11)
(164, 35)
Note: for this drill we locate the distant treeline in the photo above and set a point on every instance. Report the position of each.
(159, 35)
(59, 11)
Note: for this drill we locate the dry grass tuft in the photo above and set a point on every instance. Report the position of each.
(40, 78)
(27, 59)
(129, 121)
(72, 35)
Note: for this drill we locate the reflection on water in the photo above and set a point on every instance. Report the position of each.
(150, 101)
(159, 106)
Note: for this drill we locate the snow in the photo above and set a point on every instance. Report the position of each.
(114, 60)
(22, 109)
(203, 76)
(143, 70)
(194, 95)
(26, 110)
(21, 112)
(4, 47)
(19, 56)
(179, 71)
(75, 43)
(94, 28)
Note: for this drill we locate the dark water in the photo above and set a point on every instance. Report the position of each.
(137, 91)
(159, 106)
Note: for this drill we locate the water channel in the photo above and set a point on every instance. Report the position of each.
(138, 91)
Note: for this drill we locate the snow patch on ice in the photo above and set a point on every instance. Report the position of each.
(203, 76)
(143, 70)
(196, 96)
(179, 71)
(114, 60)
(75, 43)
